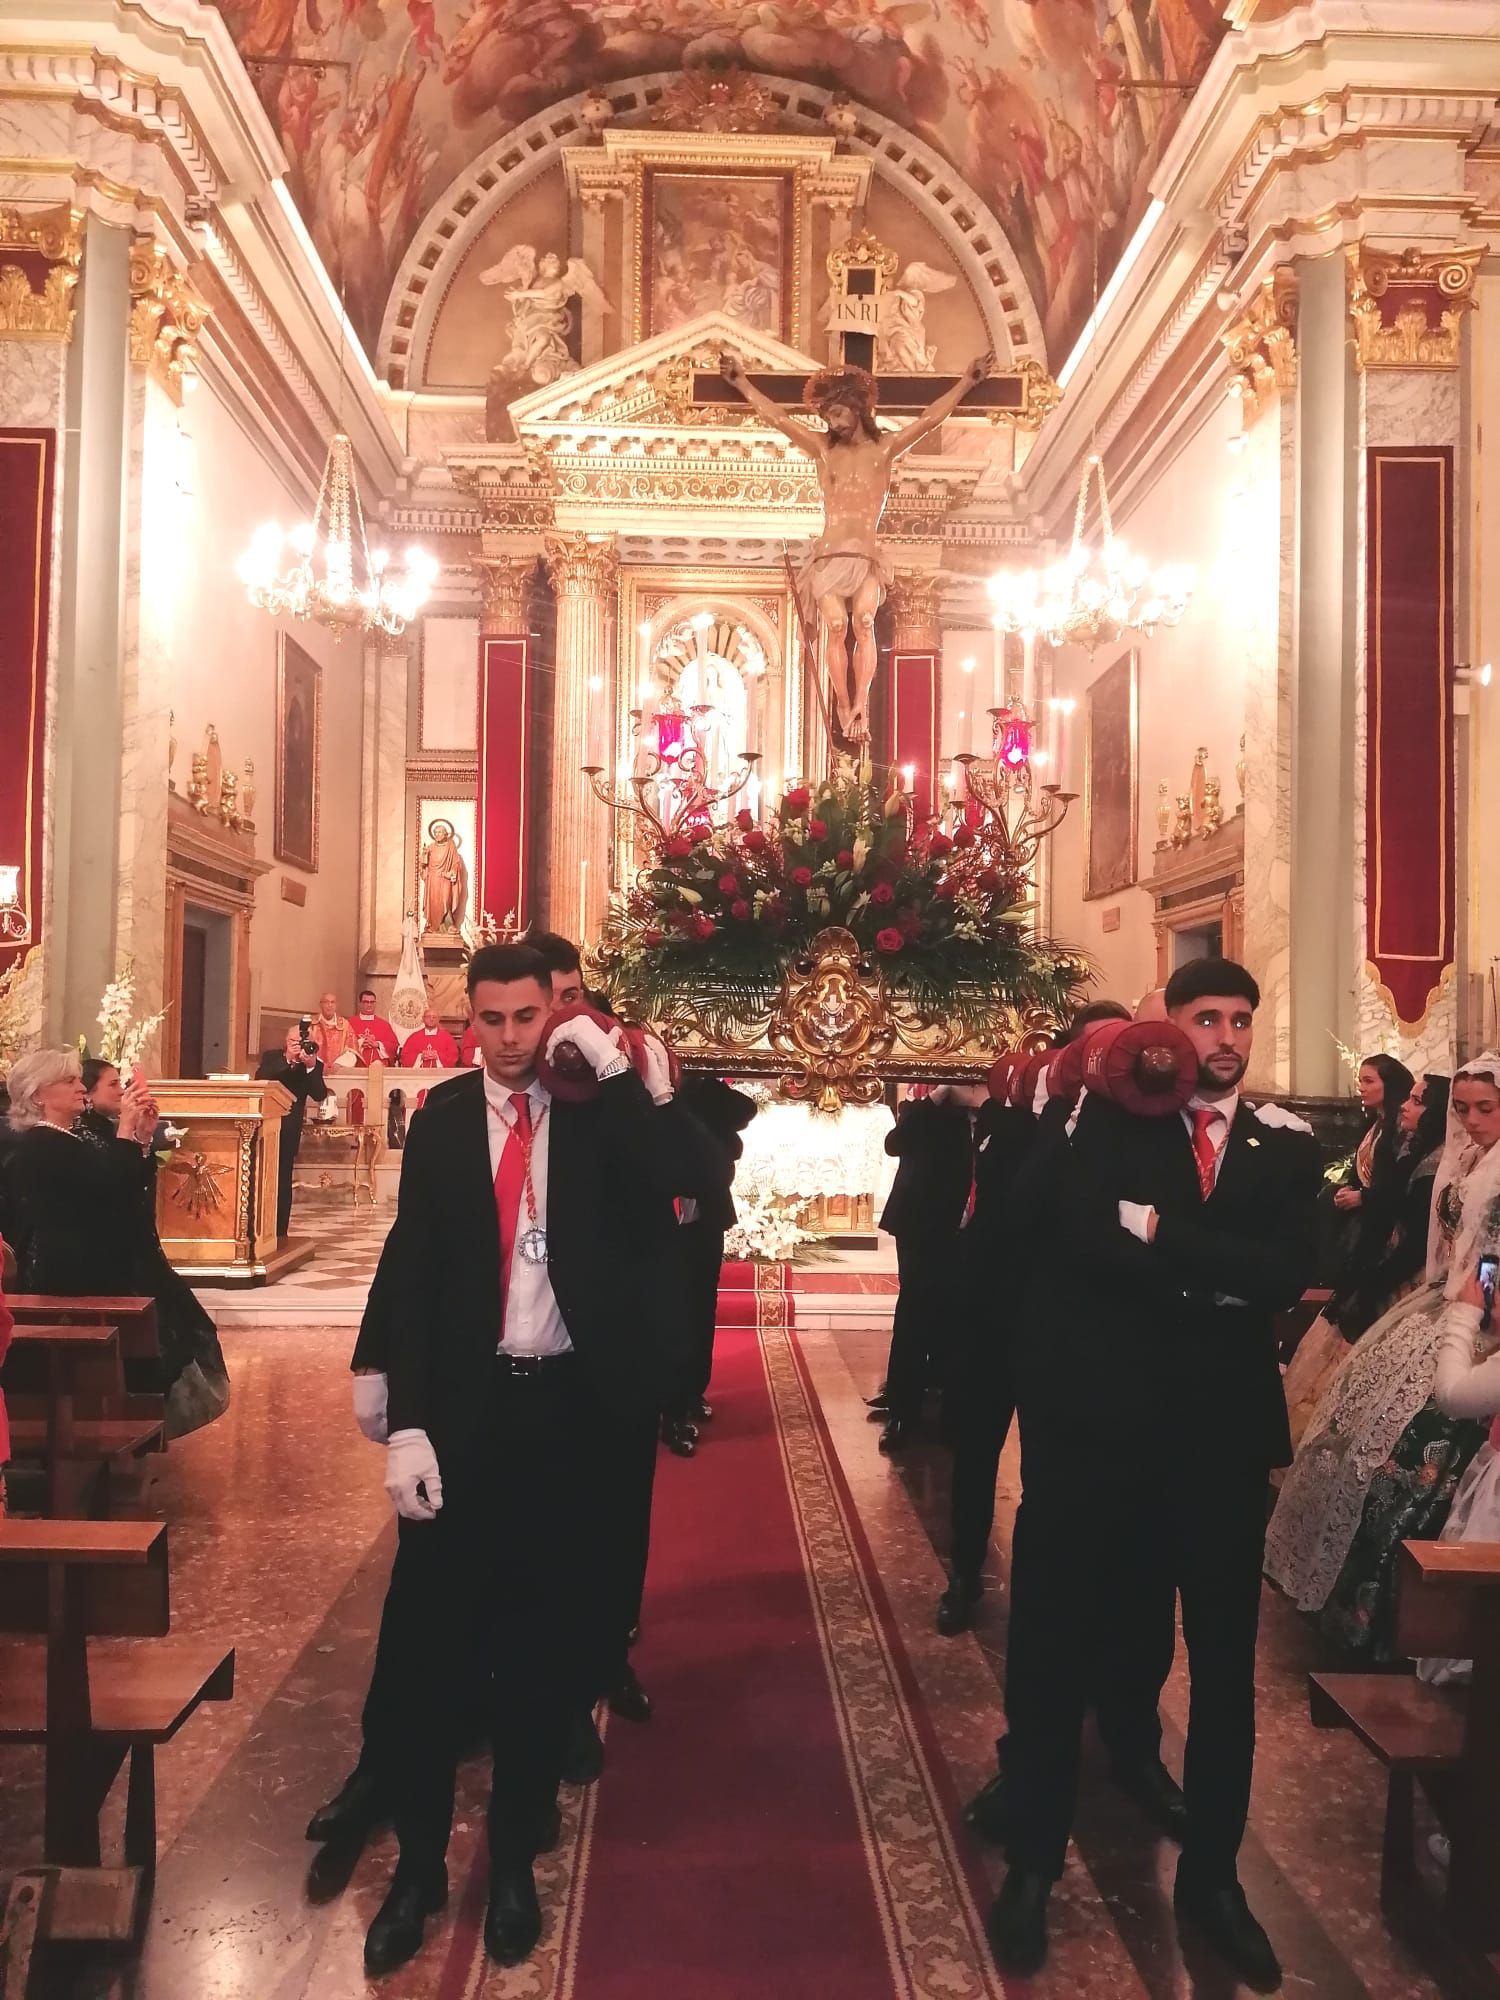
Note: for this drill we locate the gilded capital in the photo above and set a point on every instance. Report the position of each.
(504, 592)
(1261, 346)
(40, 250)
(581, 566)
(914, 612)
(1407, 307)
(166, 317)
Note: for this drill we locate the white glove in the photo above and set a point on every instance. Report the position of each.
(369, 1405)
(1136, 1217)
(658, 1071)
(597, 1048)
(412, 1478)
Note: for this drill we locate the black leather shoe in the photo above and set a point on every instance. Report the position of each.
(879, 1400)
(1017, 1923)
(898, 1432)
(513, 1916)
(988, 1812)
(1152, 1788)
(703, 1413)
(955, 1612)
(1223, 1919)
(583, 1753)
(396, 1934)
(353, 1810)
(628, 1699)
(681, 1439)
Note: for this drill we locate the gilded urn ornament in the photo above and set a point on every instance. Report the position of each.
(833, 1022)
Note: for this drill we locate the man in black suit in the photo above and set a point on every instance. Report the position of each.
(723, 1113)
(936, 1138)
(1160, 1413)
(297, 1068)
(519, 1338)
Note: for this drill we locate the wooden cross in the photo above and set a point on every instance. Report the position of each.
(900, 395)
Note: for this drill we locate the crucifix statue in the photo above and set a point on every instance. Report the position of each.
(846, 576)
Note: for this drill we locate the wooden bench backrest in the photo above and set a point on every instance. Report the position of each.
(1441, 1590)
(115, 1573)
(135, 1318)
(81, 1361)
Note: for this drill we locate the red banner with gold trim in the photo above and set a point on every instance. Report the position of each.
(28, 467)
(1409, 805)
(504, 749)
(915, 723)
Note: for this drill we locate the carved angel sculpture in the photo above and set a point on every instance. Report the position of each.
(903, 320)
(538, 289)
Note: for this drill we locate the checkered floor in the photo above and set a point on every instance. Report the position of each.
(329, 1291)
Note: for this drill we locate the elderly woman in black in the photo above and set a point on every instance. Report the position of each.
(192, 1362)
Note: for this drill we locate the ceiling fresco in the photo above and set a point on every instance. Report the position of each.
(1024, 97)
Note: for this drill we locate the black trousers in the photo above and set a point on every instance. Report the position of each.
(923, 1325)
(628, 1468)
(978, 1403)
(703, 1255)
(286, 1166)
(509, 1573)
(1101, 1547)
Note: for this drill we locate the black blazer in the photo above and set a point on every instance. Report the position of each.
(938, 1152)
(723, 1113)
(614, 1165)
(303, 1083)
(1137, 1346)
(77, 1209)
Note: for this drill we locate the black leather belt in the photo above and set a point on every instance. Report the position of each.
(530, 1367)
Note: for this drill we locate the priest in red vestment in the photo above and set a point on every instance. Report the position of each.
(375, 1040)
(430, 1046)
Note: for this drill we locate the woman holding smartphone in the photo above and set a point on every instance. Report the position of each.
(1381, 1460)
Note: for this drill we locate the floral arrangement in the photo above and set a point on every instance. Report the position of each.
(122, 1039)
(767, 1231)
(719, 911)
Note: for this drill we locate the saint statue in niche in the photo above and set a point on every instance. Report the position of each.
(445, 878)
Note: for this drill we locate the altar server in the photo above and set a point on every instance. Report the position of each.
(520, 1338)
(1156, 1372)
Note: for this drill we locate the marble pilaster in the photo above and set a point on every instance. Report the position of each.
(385, 886)
(575, 889)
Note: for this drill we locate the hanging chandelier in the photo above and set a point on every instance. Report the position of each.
(325, 569)
(1092, 597)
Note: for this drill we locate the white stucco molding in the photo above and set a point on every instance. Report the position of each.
(966, 227)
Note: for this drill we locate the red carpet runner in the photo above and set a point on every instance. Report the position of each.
(775, 1829)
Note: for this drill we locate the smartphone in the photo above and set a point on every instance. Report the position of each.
(1489, 1271)
(138, 1077)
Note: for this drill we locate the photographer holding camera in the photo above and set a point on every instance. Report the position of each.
(299, 1069)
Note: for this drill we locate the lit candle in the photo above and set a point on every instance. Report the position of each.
(909, 777)
(752, 794)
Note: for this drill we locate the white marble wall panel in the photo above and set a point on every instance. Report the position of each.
(448, 705)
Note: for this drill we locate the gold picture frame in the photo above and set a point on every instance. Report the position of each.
(705, 201)
(299, 753)
(1111, 781)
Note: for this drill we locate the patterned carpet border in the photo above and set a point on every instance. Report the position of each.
(933, 1931)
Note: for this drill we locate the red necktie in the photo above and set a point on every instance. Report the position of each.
(510, 1180)
(1204, 1150)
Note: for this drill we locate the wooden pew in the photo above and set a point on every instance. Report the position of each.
(1448, 1739)
(134, 1318)
(95, 1676)
(49, 1373)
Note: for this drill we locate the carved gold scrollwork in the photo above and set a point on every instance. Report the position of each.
(504, 591)
(1261, 345)
(833, 1023)
(40, 251)
(166, 317)
(1040, 396)
(1408, 307)
(581, 565)
(915, 612)
(862, 252)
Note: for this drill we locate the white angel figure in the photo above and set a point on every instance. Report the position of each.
(538, 290)
(903, 320)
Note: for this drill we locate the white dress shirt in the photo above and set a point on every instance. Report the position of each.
(1136, 1215)
(532, 1324)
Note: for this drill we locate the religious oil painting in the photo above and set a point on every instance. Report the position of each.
(717, 243)
(299, 740)
(1110, 779)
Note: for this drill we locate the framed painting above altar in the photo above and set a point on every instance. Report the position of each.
(299, 745)
(717, 242)
(1110, 787)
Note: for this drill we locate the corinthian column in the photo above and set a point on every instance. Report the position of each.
(583, 571)
(913, 702)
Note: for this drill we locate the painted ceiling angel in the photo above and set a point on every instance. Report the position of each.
(538, 289)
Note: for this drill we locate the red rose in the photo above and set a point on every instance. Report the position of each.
(947, 889)
(797, 800)
(678, 846)
(939, 845)
(744, 819)
(652, 936)
(817, 829)
(701, 833)
(702, 927)
(739, 910)
(846, 857)
(989, 879)
(754, 841)
(889, 940)
(964, 837)
(882, 893)
(802, 877)
(729, 885)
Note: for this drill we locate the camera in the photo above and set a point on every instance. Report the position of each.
(304, 1029)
